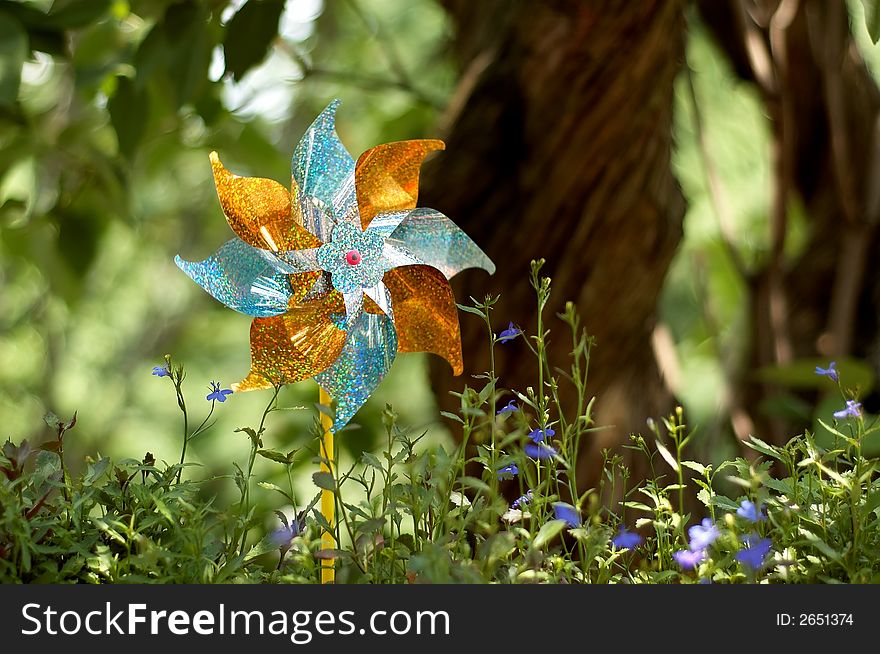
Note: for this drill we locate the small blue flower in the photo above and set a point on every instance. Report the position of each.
(509, 334)
(540, 452)
(567, 512)
(853, 409)
(217, 393)
(508, 472)
(702, 535)
(626, 539)
(830, 372)
(756, 550)
(751, 511)
(689, 559)
(537, 435)
(510, 407)
(522, 500)
(284, 535)
(161, 371)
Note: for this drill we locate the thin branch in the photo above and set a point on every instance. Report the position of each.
(368, 82)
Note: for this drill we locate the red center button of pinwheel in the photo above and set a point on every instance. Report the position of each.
(353, 257)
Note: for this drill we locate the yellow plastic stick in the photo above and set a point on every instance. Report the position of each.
(328, 501)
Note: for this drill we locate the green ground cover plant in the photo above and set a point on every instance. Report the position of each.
(805, 512)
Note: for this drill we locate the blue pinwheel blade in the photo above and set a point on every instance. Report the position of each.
(323, 169)
(240, 277)
(362, 365)
(435, 240)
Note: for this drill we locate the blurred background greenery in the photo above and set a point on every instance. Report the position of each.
(108, 110)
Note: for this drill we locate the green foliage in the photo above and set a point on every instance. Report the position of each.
(249, 35)
(424, 513)
(108, 111)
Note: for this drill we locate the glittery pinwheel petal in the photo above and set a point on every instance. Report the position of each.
(434, 239)
(425, 314)
(354, 306)
(260, 211)
(386, 222)
(381, 298)
(362, 365)
(239, 276)
(294, 346)
(321, 165)
(387, 176)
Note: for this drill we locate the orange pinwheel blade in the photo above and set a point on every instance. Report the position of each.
(296, 345)
(260, 211)
(425, 315)
(386, 177)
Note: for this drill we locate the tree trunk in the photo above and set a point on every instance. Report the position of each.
(823, 107)
(558, 146)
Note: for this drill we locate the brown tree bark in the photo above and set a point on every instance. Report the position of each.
(558, 142)
(823, 106)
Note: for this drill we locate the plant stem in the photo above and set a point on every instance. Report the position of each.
(255, 445)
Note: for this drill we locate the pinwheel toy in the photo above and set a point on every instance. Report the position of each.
(340, 273)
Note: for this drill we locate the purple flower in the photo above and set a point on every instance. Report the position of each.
(217, 393)
(537, 435)
(689, 559)
(161, 371)
(567, 512)
(830, 372)
(509, 334)
(284, 535)
(853, 410)
(510, 407)
(755, 551)
(751, 511)
(626, 539)
(540, 452)
(522, 500)
(702, 535)
(508, 471)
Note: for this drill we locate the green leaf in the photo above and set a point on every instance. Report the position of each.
(452, 416)
(190, 65)
(548, 532)
(374, 525)
(872, 19)
(477, 484)
(704, 496)
(764, 448)
(180, 45)
(95, 470)
(819, 544)
(667, 456)
(696, 466)
(75, 14)
(129, 112)
(250, 34)
(871, 503)
(473, 310)
(163, 509)
(13, 51)
(324, 480)
(372, 460)
(266, 545)
(272, 455)
(268, 485)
